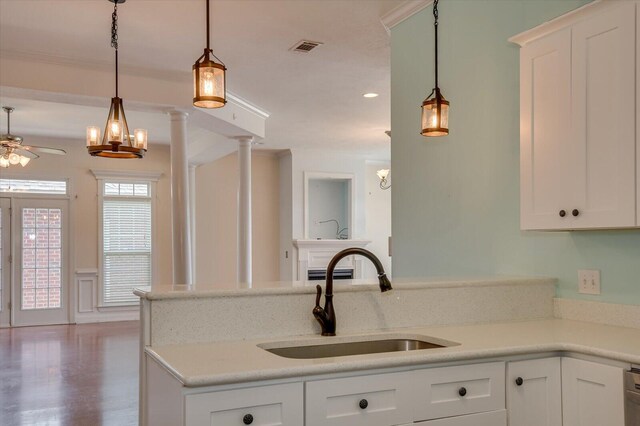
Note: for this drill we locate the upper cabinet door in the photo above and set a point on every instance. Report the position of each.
(545, 142)
(603, 120)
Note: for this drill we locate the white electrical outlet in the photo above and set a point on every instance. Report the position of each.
(589, 281)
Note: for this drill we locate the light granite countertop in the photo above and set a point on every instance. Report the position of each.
(243, 361)
(210, 290)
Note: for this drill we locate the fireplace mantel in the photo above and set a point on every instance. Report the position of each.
(316, 254)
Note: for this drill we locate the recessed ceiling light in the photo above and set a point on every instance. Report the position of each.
(370, 95)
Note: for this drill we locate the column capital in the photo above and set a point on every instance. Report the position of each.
(178, 115)
(247, 140)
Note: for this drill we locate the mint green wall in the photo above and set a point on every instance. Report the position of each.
(456, 199)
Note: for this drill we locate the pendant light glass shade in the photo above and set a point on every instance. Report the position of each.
(435, 115)
(209, 87)
(116, 141)
(208, 83)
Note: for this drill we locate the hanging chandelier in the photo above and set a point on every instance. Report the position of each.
(435, 109)
(117, 141)
(209, 88)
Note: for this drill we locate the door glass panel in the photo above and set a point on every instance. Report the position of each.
(41, 258)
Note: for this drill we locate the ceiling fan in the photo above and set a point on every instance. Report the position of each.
(13, 152)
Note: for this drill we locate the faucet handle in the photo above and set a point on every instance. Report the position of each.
(318, 296)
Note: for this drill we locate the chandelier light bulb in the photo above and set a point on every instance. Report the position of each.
(24, 160)
(4, 162)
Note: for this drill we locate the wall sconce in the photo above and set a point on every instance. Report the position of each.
(383, 174)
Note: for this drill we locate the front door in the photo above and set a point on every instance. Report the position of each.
(40, 285)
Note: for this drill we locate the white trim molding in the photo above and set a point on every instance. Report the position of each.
(562, 21)
(126, 174)
(599, 312)
(402, 12)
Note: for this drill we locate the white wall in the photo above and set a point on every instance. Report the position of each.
(378, 218)
(328, 200)
(217, 219)
(83, 207)
(305, 160)
(286, 251)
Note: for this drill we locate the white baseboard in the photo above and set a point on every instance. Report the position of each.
(130, 315)
(598, 312)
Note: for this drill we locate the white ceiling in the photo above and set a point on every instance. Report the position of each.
(314, 100)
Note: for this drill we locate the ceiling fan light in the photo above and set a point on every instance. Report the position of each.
(14, 159)
(24, 160)
(4, 162)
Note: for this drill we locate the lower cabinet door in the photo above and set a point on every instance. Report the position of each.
(492, 418)
(375, 400)
(592, 394)
(278, 405)
(534, 392)
(456, 391)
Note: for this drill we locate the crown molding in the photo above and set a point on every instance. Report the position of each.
(561, 21)
(402, 12)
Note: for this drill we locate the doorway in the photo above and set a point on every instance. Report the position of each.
(34, 251)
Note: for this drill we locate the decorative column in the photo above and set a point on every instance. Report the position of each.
(244, 212)
(180, 218)
(192, 218)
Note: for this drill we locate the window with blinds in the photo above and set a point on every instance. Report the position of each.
(126, 241)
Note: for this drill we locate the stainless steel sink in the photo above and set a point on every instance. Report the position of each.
(330, 350)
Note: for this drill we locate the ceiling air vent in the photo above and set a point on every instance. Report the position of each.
(305, 46)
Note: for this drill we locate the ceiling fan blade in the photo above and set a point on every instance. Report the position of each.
(44, 150)
(26, 153)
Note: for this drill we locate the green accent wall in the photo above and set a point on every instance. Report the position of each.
(456, 199)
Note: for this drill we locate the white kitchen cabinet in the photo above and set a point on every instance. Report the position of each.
(372, 400)
(592, 394)
(577, 120)
(545, 111)
(603, 119)
(493, 418)
(534, 392)
(277, 405)
(455, 391)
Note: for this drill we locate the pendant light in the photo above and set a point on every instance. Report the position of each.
(435, 109)
(117, 141)
(209, 88)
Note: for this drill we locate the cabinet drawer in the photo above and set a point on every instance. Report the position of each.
(386, 399)
(493, 418)
(454, 391)
(267, 405)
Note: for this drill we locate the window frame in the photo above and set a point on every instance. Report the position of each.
(103, 177)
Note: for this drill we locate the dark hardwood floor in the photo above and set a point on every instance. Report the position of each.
(69, 375)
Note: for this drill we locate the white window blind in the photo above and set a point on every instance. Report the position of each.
(126, 236)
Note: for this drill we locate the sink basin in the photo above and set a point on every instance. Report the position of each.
(334, 349)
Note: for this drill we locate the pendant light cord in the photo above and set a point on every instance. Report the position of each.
(435, 26)
(208, 31)
(114, 38)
